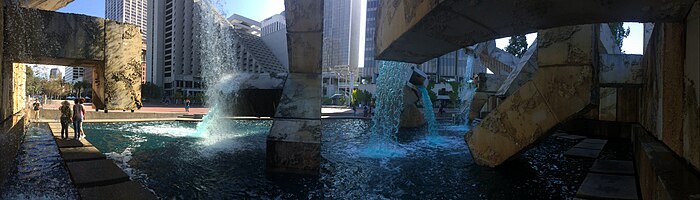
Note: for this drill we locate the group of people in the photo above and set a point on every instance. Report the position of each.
(75, 116)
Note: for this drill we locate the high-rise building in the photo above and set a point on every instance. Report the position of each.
(128, 11)
(132, 12)
(274, 34)
(55, 73)
(245, 24)
(341, 33)
(77, 74)
(173, 58)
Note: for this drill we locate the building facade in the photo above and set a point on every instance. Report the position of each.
(245, 24)
(341, 33)
(173, 58)
(55, 73)
(371, 66)
(274, 35)
(77, 74)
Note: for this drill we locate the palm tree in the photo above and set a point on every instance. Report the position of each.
(80, 87)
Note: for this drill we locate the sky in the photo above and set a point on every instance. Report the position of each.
(261, 9)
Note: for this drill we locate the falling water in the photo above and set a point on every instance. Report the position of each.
(428, 113)
(387, 114)
(218, 62)
(469, 88)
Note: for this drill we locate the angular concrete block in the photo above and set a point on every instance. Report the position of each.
(293, 157)
(568, 46)
(595, 141)
(125, 190)
(594, 146)
(296, 130)
(301, 97)
(601, 186)
(621, 69)
(518, 122)
(95, 173)
(566, 89)
(72, 143)
(122, 69)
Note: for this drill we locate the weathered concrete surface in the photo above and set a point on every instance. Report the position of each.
(112, 49)
(51, 5)
(95, 173)
(523, 72)
(259, 95)
(607, 106)
(487, 86)
(122, 68)
(583, 153)
(661, 174)
(294, 141)
(662, 99)
(602, 186)
(125, 190)
(411, 115)
(560, 90)
(691, 94)
(621, 69)
(416, 31)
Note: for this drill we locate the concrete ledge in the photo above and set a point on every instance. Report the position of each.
(95, 173)
(662, 174)
(602, 186)
(125, 190)
(72, 143)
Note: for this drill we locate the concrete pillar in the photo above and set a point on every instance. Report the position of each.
(294, 141)
(561, 89)
(691, 95)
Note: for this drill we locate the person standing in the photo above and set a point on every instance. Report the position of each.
(36, 107)
(78, 117)
(65, 118)
(187, 105)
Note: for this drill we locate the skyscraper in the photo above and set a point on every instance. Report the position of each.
(341, 33)
(370, 70)
(132, 12)
(246, 24)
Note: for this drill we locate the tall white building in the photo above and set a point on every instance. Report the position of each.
(132, 12)
(128, 11)
(173, 54)
(77, 74)
(246, 24)
(274, 34)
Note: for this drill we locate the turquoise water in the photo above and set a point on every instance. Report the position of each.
(176, 164)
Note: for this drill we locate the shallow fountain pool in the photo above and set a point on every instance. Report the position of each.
(176, 162)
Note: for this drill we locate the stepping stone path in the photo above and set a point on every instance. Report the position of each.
(95, 176)
(609, 179)
(588, 148)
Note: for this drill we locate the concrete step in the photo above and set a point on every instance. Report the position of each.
(81, 154)
(619, 167)
(581, 152)
(603, 186)
(586, 145)
(72, 143)
(95, 173)
(125, 190)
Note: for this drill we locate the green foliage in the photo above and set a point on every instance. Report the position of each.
(361, 96)
(178, 94)
(56, 88)
(326, 101)
(34, 84)
(619, 32)
(81, 88)
(517, 46)
(152, 91)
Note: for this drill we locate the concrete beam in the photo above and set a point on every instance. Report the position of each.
(417, 31)
(50, 5)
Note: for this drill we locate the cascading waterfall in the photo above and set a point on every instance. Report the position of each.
(428, 113)
(387, 114)
(469, 88)
(218, 62)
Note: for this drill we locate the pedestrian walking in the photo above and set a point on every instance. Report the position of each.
(78, 117)
(36, 107)
(187, 105)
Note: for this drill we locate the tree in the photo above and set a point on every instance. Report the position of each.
(619, 32)
(454, 94)
(33, 84)
(81, 87)
(56, 88)
(517, 45)
(151, 91)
